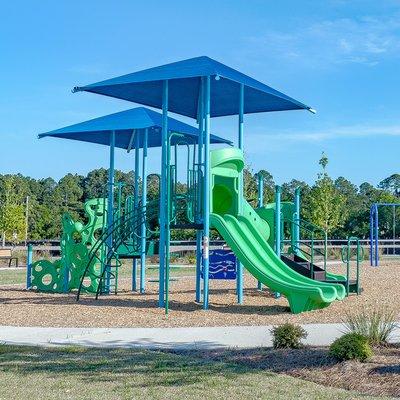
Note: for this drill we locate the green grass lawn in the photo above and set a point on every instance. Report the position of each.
(79, 373)
(12, 276)
(18, 276)
(152, 270)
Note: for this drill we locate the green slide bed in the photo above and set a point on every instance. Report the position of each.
(247, 234)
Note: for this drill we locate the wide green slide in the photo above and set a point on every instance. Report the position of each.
(247, 234)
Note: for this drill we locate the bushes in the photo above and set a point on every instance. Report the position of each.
(367, 328)
(288, 336)
(351, 346)
(376, 324)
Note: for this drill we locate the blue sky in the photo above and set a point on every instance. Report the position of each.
(340, 57)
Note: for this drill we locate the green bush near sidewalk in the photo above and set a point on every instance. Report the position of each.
(351, 346)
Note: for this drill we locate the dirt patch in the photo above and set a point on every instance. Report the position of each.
(379, 376)
(25, 308)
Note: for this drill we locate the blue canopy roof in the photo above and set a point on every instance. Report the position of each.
(124, 123)
(145, 87)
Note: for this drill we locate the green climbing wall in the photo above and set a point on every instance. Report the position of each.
(76, 242)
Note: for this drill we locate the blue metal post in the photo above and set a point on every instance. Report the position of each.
(29, 258)
(163, 194)
(278, 225)
(260, 204)
(199, 235)
(66, 279)
(136, 207)
(278, 220)
(371, 235)
(260, 186)
(110, 205)
(206, 191)
(376, 234)
(239, 266)
(297, 217)
(143, 227)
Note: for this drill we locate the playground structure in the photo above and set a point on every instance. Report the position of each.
(374, 230)
(200, 88)
(91, 263)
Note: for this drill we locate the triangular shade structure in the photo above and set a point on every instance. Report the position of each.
(145, 87)
(125, 123)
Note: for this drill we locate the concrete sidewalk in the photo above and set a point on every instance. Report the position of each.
(165, 338)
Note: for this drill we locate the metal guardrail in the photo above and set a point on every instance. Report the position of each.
(348, 257)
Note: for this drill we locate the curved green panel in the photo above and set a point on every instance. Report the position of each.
(48, 276)
(76, 241)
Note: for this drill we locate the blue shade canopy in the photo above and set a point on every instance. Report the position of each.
(145, 87)
(126, 124)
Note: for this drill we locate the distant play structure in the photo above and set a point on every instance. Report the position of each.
(374, 230)
(266, 240)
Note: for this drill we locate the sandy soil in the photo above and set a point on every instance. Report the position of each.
(23, 308)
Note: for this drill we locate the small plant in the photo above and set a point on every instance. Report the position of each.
(191, 259)
(288, 336)
(376, 325)
(173, 258)
(351, 346)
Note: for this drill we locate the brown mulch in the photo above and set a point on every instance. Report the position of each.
(19, 307)
(379, 376)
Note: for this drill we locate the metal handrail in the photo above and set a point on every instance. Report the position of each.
(346, 258)
(132, 219)
(311, 229)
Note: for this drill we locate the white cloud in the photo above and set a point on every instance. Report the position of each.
(277, 140)
(366, 40)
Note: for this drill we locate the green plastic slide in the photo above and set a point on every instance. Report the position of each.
(247, 235)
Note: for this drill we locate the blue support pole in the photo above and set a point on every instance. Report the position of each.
(198, 265)
(239, 265)
(376, 234)
(136, 207)
(371, 235)
(144, 205)
(110, 206)
(278, 225)
(29, 258)
(199, 235)
(260, 184)
(163, 194)
(206, 191)
(297, 217)
(66, 280)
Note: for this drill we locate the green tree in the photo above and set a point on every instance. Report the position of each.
(68, 192)
(249, 186)
(326, 204)
(289, 188)
(351, 197)
(269, 185)
(12, 213)
(94, 185)
(391, 184)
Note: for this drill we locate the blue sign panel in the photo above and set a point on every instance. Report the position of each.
(222, 265)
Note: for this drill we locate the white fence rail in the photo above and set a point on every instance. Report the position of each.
(385, 245)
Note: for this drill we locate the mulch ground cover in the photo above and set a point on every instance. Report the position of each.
(379, 376)
(19, 307)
